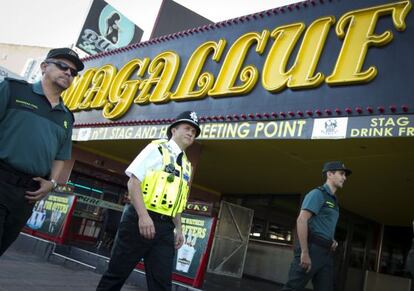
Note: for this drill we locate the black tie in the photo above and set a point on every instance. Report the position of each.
(180, 159)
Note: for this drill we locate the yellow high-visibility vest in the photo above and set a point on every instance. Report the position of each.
(165, 191)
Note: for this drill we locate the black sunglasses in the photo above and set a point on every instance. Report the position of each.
(63, 67)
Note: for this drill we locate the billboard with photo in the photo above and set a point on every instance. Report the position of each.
(106, 29)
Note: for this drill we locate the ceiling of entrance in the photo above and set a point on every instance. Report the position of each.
(380, 188)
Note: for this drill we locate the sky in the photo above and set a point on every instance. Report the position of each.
(57, 23)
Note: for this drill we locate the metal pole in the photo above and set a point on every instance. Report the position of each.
(381, 242)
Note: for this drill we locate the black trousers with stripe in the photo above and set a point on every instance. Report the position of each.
(130, 247)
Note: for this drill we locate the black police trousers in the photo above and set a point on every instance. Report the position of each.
(130, 247)
(321, 273)
(15, 210)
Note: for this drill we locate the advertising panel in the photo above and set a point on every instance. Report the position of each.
(50, 214)
(191, 259)
(196, 231)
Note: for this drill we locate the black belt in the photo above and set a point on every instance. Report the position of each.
(13, 177)
(320, 241)
(159, 216)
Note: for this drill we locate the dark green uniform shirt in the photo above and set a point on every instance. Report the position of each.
(32, 133)
(324, 206)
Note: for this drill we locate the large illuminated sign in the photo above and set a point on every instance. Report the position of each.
(288, 59)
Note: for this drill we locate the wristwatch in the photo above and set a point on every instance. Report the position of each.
(55, 184)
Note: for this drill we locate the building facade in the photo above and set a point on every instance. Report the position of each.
(278, 93)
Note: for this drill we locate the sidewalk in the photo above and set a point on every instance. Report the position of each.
(38, 265)
(25, 271)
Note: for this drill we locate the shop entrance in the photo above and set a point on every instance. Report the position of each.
(357, 251)
(370, 256)
(101, 195)
(230, 240)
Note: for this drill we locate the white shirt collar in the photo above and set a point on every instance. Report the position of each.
(174, 147)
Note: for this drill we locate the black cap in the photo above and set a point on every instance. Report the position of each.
(187, 117)
(67, 54)
(336, 166)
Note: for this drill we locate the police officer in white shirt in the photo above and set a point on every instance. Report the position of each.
(158, 187)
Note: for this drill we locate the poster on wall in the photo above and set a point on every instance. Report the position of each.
(50, 213)
(197, 231)
(106, 29)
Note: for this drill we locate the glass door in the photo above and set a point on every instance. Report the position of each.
(357, 251)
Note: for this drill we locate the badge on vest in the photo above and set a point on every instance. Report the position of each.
(172, 171)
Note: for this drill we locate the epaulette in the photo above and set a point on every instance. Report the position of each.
(322, 189)
(159, 141)
(16, 80)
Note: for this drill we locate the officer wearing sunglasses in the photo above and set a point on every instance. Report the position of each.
(63, 67)
(35, 139)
